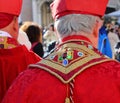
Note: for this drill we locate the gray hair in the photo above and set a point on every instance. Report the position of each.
(74, 24)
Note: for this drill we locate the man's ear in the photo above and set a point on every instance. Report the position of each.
(97, 27)
(15, 24)
(15, 27)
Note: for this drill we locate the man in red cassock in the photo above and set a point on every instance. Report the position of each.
(76, 72)
(14, 58)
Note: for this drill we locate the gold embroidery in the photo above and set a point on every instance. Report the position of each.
(80, 47)
(89, 55)
(71, 67)
(74, 75)
(67, 100)
(4, 42)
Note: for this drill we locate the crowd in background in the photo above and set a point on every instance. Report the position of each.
(109, 38)
(40, 40)
(67, 59)
(112, 38)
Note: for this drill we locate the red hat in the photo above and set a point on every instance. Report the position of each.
(10, 6)
(9, 9)
(63, 7)
(5, 19)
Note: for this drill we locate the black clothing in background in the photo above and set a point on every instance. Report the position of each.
(38, 49)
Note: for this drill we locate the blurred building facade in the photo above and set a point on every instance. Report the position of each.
(39, 10)
(114, 4)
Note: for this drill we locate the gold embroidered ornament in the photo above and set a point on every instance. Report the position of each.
(67, 100)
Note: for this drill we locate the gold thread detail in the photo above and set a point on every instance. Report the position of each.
(67, 81)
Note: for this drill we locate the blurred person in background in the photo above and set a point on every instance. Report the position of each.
(50, 38)
(117, 51)
(34, 33)
(104, 45)
(118, 32)
(25, 25)
(113, 38)
(14, 58)
(76, 72)
(117, 46)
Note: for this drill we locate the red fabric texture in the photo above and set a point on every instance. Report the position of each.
(75, 37)
(12, 62)
(97, 84)
(64, 7)
(5, 19)
(11, 6)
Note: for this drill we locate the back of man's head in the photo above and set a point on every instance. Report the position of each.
(75, 16)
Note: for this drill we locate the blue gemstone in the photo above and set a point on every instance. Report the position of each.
(90, 46)
(52, 57)
(80, 54)
(65, 62)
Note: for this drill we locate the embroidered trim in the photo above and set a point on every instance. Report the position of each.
(73, 76)
(7, 43)
(74, 66)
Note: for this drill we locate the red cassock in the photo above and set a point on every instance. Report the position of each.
(14, 58)
(74, 73)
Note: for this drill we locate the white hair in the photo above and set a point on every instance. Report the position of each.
(74, 24)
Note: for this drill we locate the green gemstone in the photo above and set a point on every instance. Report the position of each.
(69, 57)
(60, 58)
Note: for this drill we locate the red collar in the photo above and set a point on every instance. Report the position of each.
(76, 38)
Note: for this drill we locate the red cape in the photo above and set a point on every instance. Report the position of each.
(98, 83)
(12, 62)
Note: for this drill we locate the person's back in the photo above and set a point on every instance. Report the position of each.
(96, 81)
(50, 38)
(75, 72)
(12, 62)
(103, 43)
(14, 58)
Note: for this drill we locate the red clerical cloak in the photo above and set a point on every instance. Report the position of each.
(14, 58)
(74, 73)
